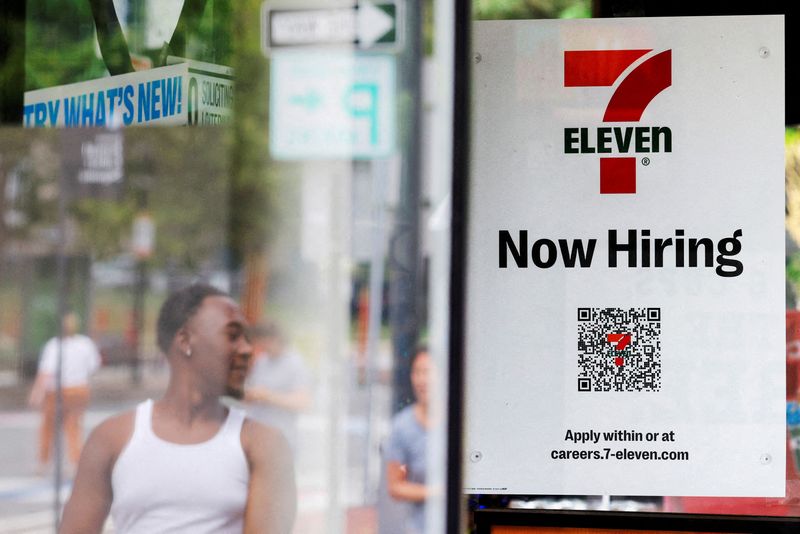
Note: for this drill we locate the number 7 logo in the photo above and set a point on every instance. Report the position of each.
(619, 342)
(602, 68)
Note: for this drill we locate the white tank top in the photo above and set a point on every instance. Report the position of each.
(162, 487)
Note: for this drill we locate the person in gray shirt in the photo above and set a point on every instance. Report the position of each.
(277, 386)
(406, 464)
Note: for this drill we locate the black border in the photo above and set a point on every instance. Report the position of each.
(455, 502)
(642, 521)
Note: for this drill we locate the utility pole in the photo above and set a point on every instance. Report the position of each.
(404, 258)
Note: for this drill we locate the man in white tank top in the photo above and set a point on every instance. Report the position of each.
(186, 463)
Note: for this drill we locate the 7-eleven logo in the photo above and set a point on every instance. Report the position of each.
(604, 68)
(619, 342)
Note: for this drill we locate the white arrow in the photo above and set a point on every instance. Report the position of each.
(371, 24)
(364, 25)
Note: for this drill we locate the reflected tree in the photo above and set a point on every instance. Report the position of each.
(531, 9)
(254, 191)
(63, 48)
(793, 206)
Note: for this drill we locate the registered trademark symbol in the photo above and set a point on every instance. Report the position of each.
(645, 161)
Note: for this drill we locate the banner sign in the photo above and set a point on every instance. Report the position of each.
(192, 93)
(625, 274)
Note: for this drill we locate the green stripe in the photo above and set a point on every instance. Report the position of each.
(212, 74)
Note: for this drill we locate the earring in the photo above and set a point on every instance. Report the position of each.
(189, 353)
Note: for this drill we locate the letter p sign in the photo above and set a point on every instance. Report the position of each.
(361, 100)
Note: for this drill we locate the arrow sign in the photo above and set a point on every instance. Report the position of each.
(311, 100)
(364, 25)
(372, 24)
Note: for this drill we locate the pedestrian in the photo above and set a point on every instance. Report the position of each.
(187, 463)
(406, 465)
(277, 386)
(79, 359)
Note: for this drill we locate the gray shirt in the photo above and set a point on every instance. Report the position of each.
(285, 373)
(407, 445)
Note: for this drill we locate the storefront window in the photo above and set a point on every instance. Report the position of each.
(293, 157)
(521, 99)
(248, 248)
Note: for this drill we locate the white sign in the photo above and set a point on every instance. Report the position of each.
(103, 159)
(143, 238)
(331, 105)
(185, 93)
(625, 313)
(364, 25)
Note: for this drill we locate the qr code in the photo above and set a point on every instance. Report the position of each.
(619, 349)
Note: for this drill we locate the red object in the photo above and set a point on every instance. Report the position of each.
(617, 176)
(363, 324)
(597, 68)
(793, 355)
(621, 340)
(639, 87)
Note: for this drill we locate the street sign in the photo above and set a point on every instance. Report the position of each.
(366, 25)
(93, 161)
(331, 105)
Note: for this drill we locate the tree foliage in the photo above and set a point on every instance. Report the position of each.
(793, 203)
(60, 44)
(253, 187)
(531, 9)
(189, 179)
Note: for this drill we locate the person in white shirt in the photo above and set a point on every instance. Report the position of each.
(79, 360)
(187, 463)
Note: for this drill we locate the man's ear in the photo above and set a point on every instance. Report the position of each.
(182, 340)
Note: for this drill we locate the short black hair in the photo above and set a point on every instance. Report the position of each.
(179, 307)
(419, 350)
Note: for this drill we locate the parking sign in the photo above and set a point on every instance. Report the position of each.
(329, 105)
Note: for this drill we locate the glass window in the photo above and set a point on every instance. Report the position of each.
(530, 82)
(214, 208)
